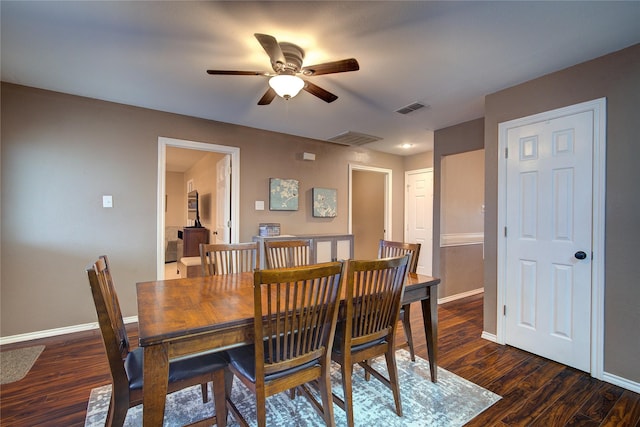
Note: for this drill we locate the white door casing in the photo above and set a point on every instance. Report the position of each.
(223, 197)
(233, 152)
(419, 215)
(551, 181)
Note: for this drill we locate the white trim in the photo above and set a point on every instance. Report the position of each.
(489, 337)
(461, 239)
(234, 152)
(57, 331)
(388, 190)
(621, 382)
(460, 295)
(598, 107)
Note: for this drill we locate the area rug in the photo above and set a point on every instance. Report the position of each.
(15, 364)
(452, 401)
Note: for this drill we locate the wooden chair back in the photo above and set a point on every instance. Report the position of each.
(295, 315)
(296, 311)
(373, 295)
(219, 259)
(388, 249)
(287, 253)
(114, 334)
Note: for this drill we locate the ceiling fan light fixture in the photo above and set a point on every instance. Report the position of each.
(286, 86)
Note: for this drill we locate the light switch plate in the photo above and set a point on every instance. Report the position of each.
(259, 205)
(107, 201)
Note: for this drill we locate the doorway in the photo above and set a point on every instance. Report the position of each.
(369, 208)
(233, 153)
(551, 243)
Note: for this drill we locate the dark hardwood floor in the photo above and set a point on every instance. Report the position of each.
(535, 391)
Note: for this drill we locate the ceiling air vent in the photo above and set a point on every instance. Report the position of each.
(411, 108)
(354, 138)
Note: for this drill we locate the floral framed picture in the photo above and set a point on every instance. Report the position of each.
(283, 194)
(325, 202)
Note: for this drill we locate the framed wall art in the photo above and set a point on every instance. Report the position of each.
(325, 202)
(283, 194)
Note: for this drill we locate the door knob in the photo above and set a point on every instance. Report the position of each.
(580, 255)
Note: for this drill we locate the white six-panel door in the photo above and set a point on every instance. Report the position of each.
(419, 215)
(549, 238)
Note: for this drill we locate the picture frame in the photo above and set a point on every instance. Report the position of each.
(283, 194)
(325, 202)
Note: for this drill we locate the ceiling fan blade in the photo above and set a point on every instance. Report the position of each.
(331, 67)
(271, 46)
(267, 97)
(315, 90)
(236, 73)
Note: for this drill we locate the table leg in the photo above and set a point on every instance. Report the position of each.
(430, 319)
(155, 379)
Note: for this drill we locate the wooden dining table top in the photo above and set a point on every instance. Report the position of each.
(169, 310)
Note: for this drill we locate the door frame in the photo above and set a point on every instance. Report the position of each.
(598, 109)
(234, 152)
(388, 185)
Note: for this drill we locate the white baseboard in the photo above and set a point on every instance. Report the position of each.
(57, 331)
(460, 295)
(489, 337)
(621, 382)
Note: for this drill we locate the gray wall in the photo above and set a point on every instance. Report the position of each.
(459, 267)
(616, 77)
(61, 153)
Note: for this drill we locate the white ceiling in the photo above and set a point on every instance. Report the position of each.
(446, 54)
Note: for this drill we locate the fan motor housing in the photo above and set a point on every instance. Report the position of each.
(294, 55)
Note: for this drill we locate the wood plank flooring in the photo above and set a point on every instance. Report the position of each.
(535, 391)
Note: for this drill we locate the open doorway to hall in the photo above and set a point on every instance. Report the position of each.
(370, 202)
(186, 166)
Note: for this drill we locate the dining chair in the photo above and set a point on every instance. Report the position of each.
(126, 364)
(229, 258)
(388, 249)
(373, 295)
(296, 312)
(287, 253)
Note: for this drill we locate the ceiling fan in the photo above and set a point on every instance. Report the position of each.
(286, 61)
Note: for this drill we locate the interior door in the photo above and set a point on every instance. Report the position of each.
(549, 238)
(419, 215)
(223, 200)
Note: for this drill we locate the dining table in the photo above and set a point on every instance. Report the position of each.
(180, 317)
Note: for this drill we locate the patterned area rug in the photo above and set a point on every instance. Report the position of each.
(452, 401)
(15, 364)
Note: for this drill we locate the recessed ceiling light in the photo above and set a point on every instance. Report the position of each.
(407, 145)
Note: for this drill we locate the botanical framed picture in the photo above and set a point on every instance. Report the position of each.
(325, 202)
(283, 194)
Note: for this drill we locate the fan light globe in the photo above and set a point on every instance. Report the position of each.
(286, 86)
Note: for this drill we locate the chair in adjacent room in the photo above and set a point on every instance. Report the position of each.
(229, 258)
(287, 253)
(388, 249)
(126, 365)
(295, 319)
(373, 296)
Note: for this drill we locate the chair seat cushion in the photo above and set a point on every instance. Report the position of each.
(178, 370)
(244, 360)
(339, 336)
